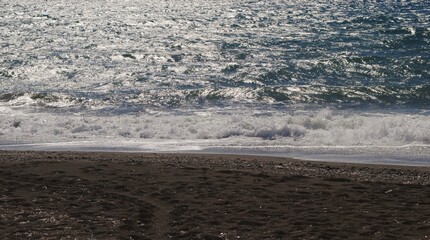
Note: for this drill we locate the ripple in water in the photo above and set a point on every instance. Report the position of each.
(132, 59)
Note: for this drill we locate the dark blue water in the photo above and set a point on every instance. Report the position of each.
(197, 53)
(309, 79)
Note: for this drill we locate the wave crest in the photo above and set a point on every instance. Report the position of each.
(319, 128)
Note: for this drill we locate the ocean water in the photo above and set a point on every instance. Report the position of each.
(320, 80)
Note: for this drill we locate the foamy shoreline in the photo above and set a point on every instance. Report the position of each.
(407, 155)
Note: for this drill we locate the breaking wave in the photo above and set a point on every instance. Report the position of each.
(382, 96)
(216, 73)
(307, 128)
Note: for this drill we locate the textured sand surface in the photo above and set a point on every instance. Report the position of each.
(178, 196)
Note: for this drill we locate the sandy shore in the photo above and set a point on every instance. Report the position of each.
(65, 195)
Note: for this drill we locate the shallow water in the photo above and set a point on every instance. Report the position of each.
(221, 74)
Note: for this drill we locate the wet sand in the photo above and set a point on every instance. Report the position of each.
(67, 195)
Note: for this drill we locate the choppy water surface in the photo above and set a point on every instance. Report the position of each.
(240, 73)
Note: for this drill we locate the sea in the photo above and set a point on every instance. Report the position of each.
(344, 81)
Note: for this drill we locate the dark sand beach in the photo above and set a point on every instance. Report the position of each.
(67, 195)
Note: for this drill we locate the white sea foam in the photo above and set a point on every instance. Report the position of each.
(122, 75)
(307, 132)
(310, 128)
